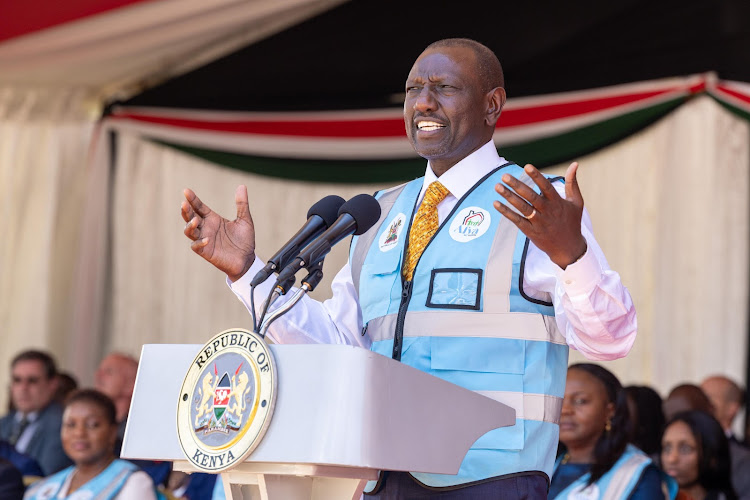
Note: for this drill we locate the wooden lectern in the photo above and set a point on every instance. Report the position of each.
(342, 414)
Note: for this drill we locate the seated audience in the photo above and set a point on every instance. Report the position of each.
(727, 399)
(34, 426)
(115, 377)
(89, 432)
(598, 462)
(193, 486)
(646, 419)
(66, 383)
(686, 397)
(28, 467)
(695, 452)
(11, 482)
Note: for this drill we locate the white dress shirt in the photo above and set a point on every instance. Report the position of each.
(592, 307)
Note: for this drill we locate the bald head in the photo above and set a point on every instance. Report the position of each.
(726, 397)
(115, 377)
(686, 397)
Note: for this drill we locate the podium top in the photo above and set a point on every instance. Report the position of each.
(336, 405)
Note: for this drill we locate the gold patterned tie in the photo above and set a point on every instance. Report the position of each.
(424, 226)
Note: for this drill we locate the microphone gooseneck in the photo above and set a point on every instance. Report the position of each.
(356, 216)
(320, 217)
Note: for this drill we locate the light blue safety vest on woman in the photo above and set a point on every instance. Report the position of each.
(618, 482)
(105, 486)
(465, 318)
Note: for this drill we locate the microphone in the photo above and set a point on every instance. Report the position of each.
(356, 216)
(320, 216)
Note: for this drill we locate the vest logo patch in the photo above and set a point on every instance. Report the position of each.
(389, 238)
(469, 224)
(226, 401)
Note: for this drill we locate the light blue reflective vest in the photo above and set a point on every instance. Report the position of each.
(105, 486)
(618, 482)
(466, 319)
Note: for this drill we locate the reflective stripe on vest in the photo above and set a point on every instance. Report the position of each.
(520, 326)
(617, 483)
(623, 483)
(541, 407)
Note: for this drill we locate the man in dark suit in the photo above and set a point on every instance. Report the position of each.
(34, 426)
(727, 399)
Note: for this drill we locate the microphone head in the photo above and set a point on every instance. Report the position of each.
(364, 209)
(327, 209)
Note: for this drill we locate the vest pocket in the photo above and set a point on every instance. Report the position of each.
(380, 282)
(485, 364)
(485, 355)
(453, 288)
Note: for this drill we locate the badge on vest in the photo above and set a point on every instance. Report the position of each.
(469, 224)
(389, 238)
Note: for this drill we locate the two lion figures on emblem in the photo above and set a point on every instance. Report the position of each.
(221, 401)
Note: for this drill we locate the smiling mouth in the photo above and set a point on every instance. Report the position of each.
(428, 126)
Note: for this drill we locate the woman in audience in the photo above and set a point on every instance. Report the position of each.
(89, 430)
(598, 462)
(695, 452)
(646, 419)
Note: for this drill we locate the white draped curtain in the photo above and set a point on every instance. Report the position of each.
(44, 139)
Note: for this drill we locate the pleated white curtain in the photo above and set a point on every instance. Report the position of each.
(669, 206)
(44, 139)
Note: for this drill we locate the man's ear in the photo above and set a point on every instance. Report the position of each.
(496, 98)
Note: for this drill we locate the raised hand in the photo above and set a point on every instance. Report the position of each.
(551, 222)
(228, 245)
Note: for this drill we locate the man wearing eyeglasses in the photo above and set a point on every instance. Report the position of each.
(33, 426)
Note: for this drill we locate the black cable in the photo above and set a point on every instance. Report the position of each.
(252, 309)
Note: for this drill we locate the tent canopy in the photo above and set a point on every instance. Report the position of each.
(357, 55)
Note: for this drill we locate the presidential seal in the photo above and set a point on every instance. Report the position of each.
(226, 400)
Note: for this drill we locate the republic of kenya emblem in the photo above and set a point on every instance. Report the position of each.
(226, 400)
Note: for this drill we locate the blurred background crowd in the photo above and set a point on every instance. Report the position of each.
(57, 437)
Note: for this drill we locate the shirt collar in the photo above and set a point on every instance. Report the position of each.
(30, 417)
(464, 174)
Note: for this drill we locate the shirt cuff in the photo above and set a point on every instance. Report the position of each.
(580, 277)
(243, 284)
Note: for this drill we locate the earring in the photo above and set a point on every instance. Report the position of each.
(608, 425)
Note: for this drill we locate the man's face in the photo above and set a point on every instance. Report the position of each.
(724, 410)
(445, 108)
(30, 389)
(111, 377)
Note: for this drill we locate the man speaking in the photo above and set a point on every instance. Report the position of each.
(489, 299)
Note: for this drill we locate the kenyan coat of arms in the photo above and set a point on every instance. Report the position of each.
(226, 400)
